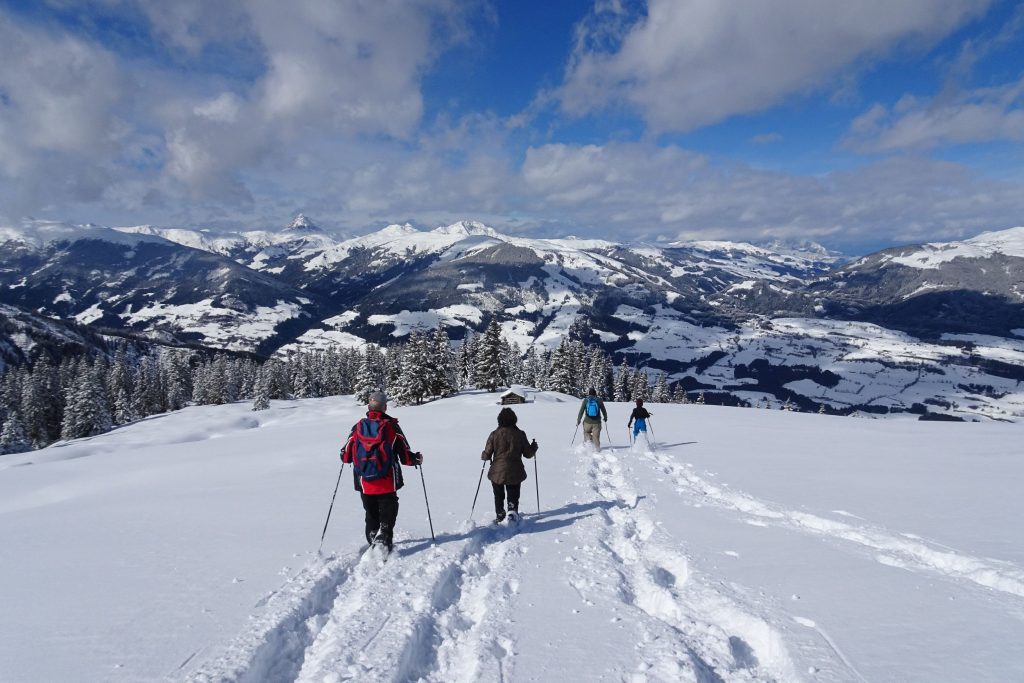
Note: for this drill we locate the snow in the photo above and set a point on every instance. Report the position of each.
(38, 233)
(424, 321)
(221, 327)
(744, 545)
(91, 314)
(1009, 242)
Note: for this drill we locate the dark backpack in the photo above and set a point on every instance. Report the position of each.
(372, 456)
(593, 409)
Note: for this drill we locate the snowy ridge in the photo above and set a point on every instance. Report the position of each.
(38, 234)
(1007, 242)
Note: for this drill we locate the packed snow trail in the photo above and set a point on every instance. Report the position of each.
(699, 633)
(441, 612)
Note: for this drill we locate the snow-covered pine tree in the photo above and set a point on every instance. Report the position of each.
(700, 398)
(87, 411)
(441, 365)
(488, 371)
(13, 436)
(261, 399)
(399, 388)
(466, 360)
(535, 371)
(595, 372)
(624, 383)
(641, 385)
(660, 394)
(679, 394)
(120, 388)
(512, 362)
(560, 377)
(38, 396)
(175, 368)
(370, 377)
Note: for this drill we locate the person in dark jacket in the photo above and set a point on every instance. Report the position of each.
(506, 447)
(380, 496)
(591, 411)
(640, 415)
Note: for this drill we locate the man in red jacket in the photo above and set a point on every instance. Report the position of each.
(379, 487)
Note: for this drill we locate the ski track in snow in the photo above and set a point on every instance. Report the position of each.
(907, 551)
(432, 616)
(688, 630)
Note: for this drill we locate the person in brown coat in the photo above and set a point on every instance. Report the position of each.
(506, 447)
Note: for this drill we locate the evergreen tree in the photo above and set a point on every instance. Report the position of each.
(370, 376)
(700, 398)
(87, 412)
(660, 393)
(596, 372)
(560, 378)
(38, 394)
(120, 389)
(535, 372)
(13, 436)
(261, 398)
(441, 365)
(641, 385)
(176, 370)
(488, 372)
(624, 383)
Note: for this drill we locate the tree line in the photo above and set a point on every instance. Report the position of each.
(84, 395)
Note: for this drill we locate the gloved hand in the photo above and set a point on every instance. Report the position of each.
(533, 444)
(577, 423)
(417, 459)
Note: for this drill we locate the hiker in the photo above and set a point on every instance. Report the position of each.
(377, 449)
(591, 412)
(641, 416)
(506, 447)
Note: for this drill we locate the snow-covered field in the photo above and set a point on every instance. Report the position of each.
(746, 545)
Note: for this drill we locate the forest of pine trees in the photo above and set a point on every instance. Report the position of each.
(87, 395)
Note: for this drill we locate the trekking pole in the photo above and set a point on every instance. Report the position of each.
(478, 482)
(608, 434)
(536, 481)
(329, 509)
(425, 500)
(651, 427)
(574, 434)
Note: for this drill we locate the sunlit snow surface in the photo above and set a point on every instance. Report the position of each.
(741, 545)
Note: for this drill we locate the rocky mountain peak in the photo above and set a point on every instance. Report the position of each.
(302, 223)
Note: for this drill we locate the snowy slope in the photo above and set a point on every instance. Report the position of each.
(1008, 242)
(745, 545)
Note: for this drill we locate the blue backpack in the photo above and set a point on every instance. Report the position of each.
(593, 409)
(372, 456)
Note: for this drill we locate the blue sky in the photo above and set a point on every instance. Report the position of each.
(856, 125)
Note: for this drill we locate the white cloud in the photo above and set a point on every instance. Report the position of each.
(689, 64)
(58, 97)
(981, 115)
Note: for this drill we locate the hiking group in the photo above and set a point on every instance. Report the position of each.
(593, 414)
(377, 448)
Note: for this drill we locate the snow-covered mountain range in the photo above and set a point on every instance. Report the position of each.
(938, 327)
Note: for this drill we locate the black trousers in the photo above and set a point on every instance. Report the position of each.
(381, 513)
(499, 497)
